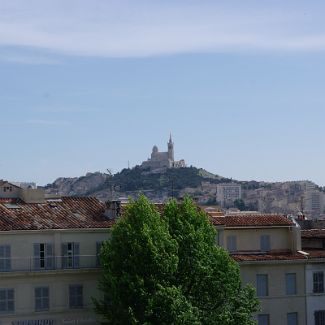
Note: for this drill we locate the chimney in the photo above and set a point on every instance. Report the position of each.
(113, 209)
(31, 195)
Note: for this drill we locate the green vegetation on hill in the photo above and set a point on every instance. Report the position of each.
(139, 179)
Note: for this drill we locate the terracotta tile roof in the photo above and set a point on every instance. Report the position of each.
(67, 213)
(311, 254)
(217, 221)
(7, 200)
(313, 233)
(87, 212)
(267, 257)
(315, 253)
(254, 220)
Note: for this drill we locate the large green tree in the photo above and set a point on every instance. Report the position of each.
(165, 269)
(208, 276)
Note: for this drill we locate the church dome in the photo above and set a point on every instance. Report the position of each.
(155, 149)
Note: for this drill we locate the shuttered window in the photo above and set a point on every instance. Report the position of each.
(5, 258)
(7, 301)
(265, 243)
(98, 249)
(232, 243)
(263, 319)
(262, 286)
(291, 283)
(76, 296)
(70, 255)
(292, 319)
(319, 317)
(318, 282)
(43, 256)
(42, 299)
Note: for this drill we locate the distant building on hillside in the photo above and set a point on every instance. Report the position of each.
(25, 184)
(314, 203)
(227, 193)
(163, 159)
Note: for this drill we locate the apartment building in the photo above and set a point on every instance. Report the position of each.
(288, 276)
(49, 262)
(265, 246)
(313, 243)
(227, 193)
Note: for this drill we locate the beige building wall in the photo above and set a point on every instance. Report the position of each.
(21, 242)
(248, 239)
(12, 192)
(58, 283)
(23, 279)
(277, 304)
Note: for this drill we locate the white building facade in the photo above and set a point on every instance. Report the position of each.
(227, 193)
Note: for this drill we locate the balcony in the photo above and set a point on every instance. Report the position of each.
(32, 264)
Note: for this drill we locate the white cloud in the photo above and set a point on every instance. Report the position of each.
(145, 28)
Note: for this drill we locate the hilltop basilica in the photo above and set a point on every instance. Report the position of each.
(163, 159)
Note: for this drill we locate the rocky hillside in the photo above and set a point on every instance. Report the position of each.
(283, 197)
(158, 185)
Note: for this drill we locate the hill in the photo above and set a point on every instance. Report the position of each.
(158, 185)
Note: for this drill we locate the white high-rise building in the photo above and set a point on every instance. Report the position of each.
(227, 193)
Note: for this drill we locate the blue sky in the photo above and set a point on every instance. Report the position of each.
(90, 85)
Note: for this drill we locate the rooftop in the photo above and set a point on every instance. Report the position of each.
(66, 213)
(313, 233)
(251, 220)
(285, 256)
(268, 257)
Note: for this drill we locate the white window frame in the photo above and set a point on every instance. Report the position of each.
(42, 298)
(318, 282)
(5, 258)
(7, 300)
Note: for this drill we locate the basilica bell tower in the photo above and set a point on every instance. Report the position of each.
(170, 145)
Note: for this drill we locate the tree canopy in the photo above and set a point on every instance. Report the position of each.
(166, 269)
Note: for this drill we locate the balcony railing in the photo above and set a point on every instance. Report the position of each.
(29, 264)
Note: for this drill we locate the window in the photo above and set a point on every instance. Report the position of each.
(318, 282)
(75, 296)
(291, 284)
(7, 301)
(231, 243)
(319, 317)
(42, 299)
(43, 256)
(217, 239)
(70, 255)
(5, 258)
(265, 243)
(262, 286)
(98, 248)
(292, 319)
(263, 319)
